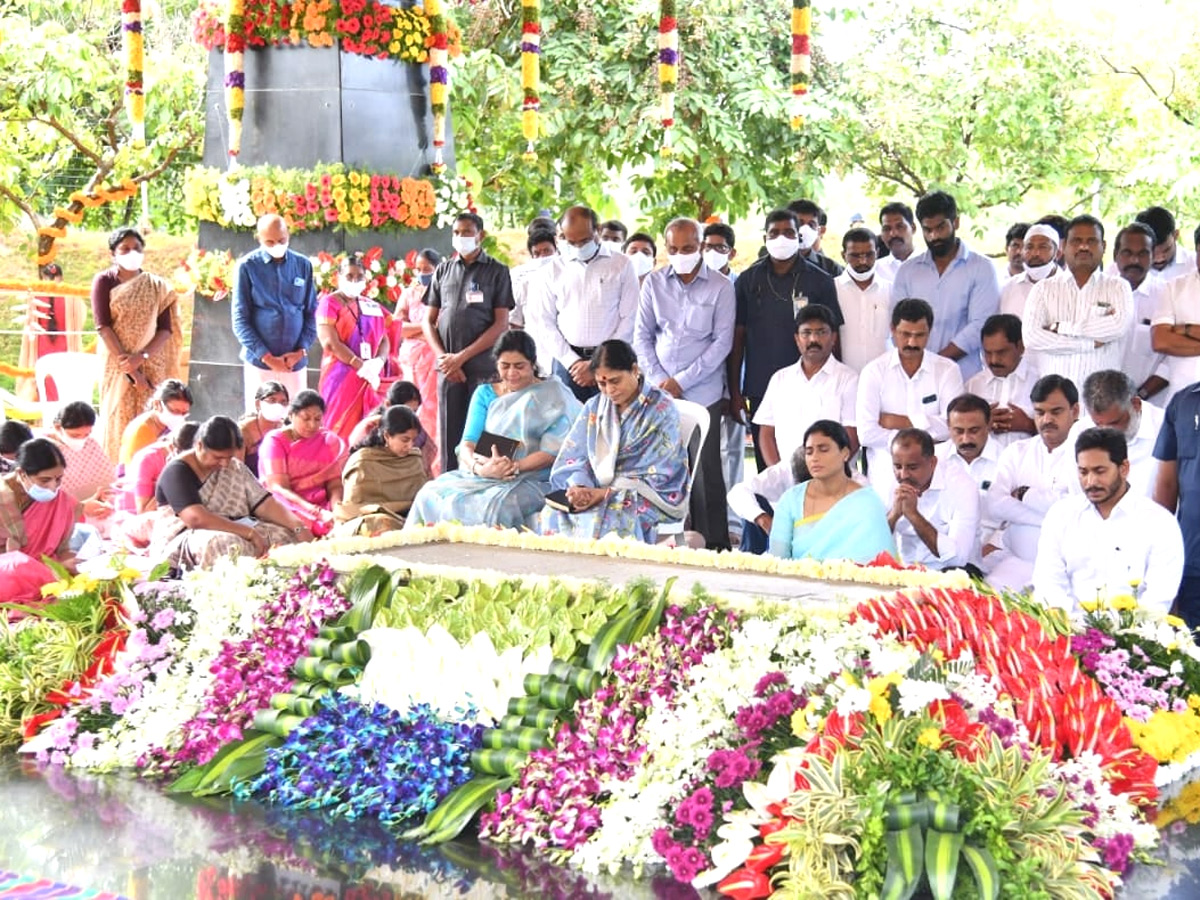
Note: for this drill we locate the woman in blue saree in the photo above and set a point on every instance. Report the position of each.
(507, 491)
(624, 465)
(830, 516)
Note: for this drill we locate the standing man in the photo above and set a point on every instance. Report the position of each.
(718, 248)
(904, 388)
(959, 285)
(1078, 322)
(1040, 249)
(274, 312)
(1178, 489)
(613, 235)
(1111, 401)
(1175, 329)
(1006, 380)
(468, 302)
(1014, 250)
(1170, 260)
(683, 334)
(769, 294)
(1133, 253)
(896, 227)
(587, 295)
(812, 228)
(865, 299)
(542, 247)
(935, 509)
(1109, 541)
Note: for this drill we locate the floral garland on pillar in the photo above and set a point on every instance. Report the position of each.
(801, 67)
(235, 75)
(439, 78)
(135, 97)
(668, 68)
(531, 49)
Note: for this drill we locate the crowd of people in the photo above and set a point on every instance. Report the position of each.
(1026, 422)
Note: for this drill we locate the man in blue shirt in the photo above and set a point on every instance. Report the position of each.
(682, 334)
(1178, 490)
(960, 285)
(274, 311)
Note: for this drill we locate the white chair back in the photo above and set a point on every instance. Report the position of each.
(693, 431)
(75, 378)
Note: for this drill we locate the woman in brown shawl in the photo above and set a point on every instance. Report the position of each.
(137, 318)
(382, 476)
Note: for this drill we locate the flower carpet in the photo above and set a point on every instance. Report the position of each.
(28, 887)
(932, 737)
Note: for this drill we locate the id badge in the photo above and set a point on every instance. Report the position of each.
(474, 296)
(369, 308)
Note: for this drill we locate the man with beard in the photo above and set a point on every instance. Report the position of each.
(1134, 250)
(935, 509)
(816, 387)
(1078, 322)
(896, 225)
(1175, 330)
(1110, 540)
(904, 388)
(960, 286)
(1170, 260)
(1039, 251)
(972, 450)
(865, 299)
(1032, 476)
(1110, 400)
(1006, 380)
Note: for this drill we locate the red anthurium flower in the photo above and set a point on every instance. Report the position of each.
(764, 857)
(745, 884)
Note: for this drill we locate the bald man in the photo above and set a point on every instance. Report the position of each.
(274, 311)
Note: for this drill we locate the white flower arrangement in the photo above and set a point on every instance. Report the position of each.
(233, 196)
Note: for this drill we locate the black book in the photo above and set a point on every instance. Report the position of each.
(505, 446)
(558, 500)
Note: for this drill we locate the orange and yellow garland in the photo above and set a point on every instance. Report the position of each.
(801, 67)
(81, 201)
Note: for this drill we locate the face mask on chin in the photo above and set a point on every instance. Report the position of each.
(861, 276)
(782, 247)
(1038, 273)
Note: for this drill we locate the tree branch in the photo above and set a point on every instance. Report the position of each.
(53, 122)
(1165, 100)
(23, 205)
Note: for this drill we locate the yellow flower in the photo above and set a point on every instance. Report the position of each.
(931, 738)
(1091, 605)
(1123, 602)
(805, 722)
(1176, 622)
(881, 707)
(129, 574)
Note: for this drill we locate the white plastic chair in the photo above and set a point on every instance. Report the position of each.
(693, 431)
(75, 378)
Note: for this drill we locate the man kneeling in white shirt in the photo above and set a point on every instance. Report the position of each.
(935, 509)
(1110, 541)
(754, 499)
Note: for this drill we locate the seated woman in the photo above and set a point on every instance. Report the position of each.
(401, 393)
(830, 516)
(382, 477)
(90, 474)
(210, 505)
(623, 465)
(148, 465)
(301, 463)
(494, 489)
(270, 409)
(168, 410)
(12, 435)
(36, 520)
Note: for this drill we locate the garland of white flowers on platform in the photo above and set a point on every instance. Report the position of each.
(830, 570)
(135, 63)
(235, 75)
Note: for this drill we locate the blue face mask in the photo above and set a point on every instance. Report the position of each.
(39, 494)
(426, 278)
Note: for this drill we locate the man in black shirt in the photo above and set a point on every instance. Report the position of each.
(769, 294)
(814, 219)
(468, 303)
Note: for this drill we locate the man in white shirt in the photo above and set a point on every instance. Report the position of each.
(754, 499)
(1077, 322)
(1039, 251)
(897, 227)
(972, 449)
(1133, 253)
(935, 509)
(1032, 476)
(1110, 541)
(1014, 252)
(904, 388)
(588, 295)
(542, 248)
(1006, 380)
(1110, 401)
(1175, 329)
(864, 298)
(816, 387)
(1170, 260)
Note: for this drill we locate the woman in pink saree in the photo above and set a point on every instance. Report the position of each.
(36, 520)
(356, 367)
(418, 363)
(301, 463)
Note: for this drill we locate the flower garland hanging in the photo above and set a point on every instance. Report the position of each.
(439, 79)
(235, 75)
(668, 68)
(801, 67)
(72, 215)
(531, 49)
(135, 97)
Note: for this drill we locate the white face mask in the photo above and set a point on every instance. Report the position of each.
(540, 262)
(273, 412)
(276, 251)
(782, 247)
(614, 246)
(465, 244)
(1037, 273)
(351, 288)
(643, 264)
(716, 260)
(861, 276)
(130, 260)
(808, 237)
(684, 263)
(75, 443)
(172, 421)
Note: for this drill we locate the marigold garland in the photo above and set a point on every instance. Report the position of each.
(668, 68)
(235, 75)
(801, 68)
(135, 96)
(531, 49)
(97, 196)
(439, 79)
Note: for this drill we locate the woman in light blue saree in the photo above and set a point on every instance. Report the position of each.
(830, 516)
(496, 489)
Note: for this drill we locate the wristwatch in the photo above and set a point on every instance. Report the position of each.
(145, 355)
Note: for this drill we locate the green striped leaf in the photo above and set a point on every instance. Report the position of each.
(905, 857)
(240, 760)
(506, 761)
(987, 874)
(457, 809)
(941, 861)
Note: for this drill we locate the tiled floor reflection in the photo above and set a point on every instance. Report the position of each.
(124, 835)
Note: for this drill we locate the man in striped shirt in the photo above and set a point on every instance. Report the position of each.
(1078, 321)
